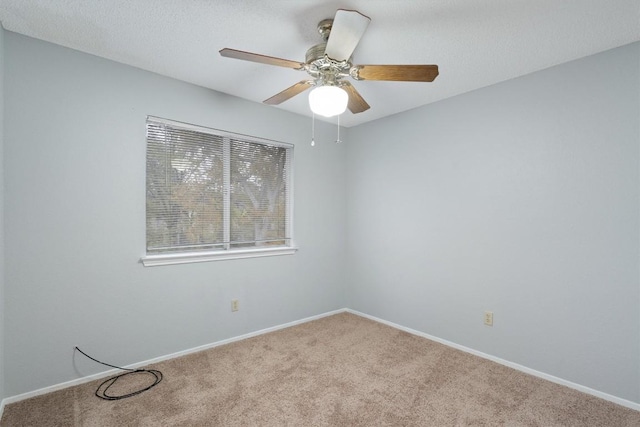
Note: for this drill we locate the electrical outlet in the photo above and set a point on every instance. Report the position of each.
(488, 318)
(235, 305)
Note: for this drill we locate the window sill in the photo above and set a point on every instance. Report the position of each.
(186, 258)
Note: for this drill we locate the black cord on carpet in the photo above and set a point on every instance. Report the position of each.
(101, 392)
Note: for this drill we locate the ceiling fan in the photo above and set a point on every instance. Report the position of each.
(330, 63)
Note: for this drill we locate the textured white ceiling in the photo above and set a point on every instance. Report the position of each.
(476, 43)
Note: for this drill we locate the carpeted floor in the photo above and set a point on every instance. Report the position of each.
(341, 370)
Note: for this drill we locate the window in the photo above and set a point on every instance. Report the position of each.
(215, 195)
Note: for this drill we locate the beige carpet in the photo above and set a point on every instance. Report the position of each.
(342, 370)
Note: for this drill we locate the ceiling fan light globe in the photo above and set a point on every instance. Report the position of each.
(328, 101)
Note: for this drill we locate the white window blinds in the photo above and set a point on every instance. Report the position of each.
(210, 190)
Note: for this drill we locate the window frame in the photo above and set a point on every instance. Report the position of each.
(227, 253)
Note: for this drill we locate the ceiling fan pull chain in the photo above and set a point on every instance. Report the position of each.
(338, 140)
(313, 129)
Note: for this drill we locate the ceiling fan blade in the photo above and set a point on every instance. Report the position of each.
(262, 59)
(356, 104)
(289, 92)
(397, 73)
(346, 31)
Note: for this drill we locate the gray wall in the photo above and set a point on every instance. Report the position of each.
(75, 220)
(2, 307)
(521, 198)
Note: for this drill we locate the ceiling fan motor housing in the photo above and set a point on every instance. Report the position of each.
(324, 70)
(315, 52)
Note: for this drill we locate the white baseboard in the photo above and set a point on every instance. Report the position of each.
(78, 381)
(553, 379)
(111, 372)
